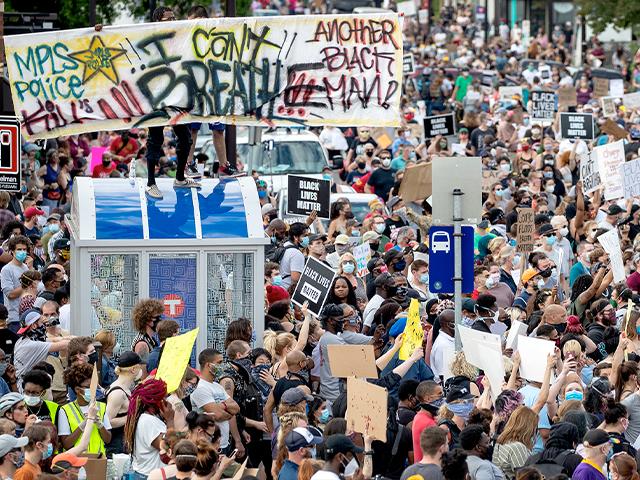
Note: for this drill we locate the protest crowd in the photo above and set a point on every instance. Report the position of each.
(545, 386)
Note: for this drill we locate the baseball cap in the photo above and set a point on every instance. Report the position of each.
(340, 443)
(614, 209)
(301, 437)
(528, 274)
(342, 239)
(9, 442)
(66, 460)
(469, 305)
(383, 279)
(32, 212)
(62, 244)
(54, 216)
(368, 236)
(595, 437)
(545, 229)
(27, 319)
(295, 395)
(317, 236)
(267, 208)
(393, 202)
(129, 359)
(459, 393)
(463, 130)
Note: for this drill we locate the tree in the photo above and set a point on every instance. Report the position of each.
(602, 13)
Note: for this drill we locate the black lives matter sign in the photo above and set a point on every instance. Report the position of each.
(10, 154)
(543, 105)
(407, 63)
(314, 285)
(306, 194)
(576, 125)
(439, 125)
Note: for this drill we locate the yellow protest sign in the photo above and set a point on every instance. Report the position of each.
(175, 358)
(413, 332)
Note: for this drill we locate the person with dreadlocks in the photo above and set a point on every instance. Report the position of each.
(148, 419)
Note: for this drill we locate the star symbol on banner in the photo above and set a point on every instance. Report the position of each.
(98, 59)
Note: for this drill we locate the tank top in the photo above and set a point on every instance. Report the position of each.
(51, 176)
(143, 337)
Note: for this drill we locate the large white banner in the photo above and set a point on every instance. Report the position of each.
(340, 70)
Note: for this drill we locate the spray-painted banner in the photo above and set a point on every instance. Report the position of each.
(309, 70)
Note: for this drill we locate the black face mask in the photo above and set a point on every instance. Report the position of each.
(93, 358)
(560, 328)
(392, 291)
(349, 215)
(369, 153)
(546, 273)
(374, 246)
(361, 165)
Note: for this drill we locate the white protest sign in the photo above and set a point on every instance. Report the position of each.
(533, 354)
(362, 254)
(611, 244)
(493, 367)
(589, 173)
(517, 328)
(631, 100)
(506, 93)
(631, 178)
(473, 339)
(610, 158)
(423, 16)
(616, 87)
(408, 9)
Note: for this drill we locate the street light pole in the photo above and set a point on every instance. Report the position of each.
(230, 130)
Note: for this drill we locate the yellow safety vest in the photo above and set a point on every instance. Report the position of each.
(75, 417)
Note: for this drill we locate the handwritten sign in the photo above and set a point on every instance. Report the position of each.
(489, 177)
(525, 230)
(600, 87)
(589, 173)
(610, 158)
(366, 408)
(312, 70)
(567, 96)
(608, 106)
(543, 106)
(175, 359)
(413, 332)
(611, 244)
(362, 254)
(352, 361)
(631, 177)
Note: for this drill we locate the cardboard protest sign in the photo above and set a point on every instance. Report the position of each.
(229, 70)
(631, 177)
(576, 125)
(567, 96)
(352, 361)
(610, 158)
(444, 125)
(305, 194)
(362, 254)
(616, 87)
(612, 128)
(611, 244)
(525, 230)
(366, 408)
(407, 64)
(93, 386)
(175, 359)
(507, 93)
(240, 472)
(631, 100)
(542, 106)
(608, 106)
(533, 354)
(416, 183)
(600, 87)
(413, 332)
(313, 285)
(489, 177)
(589, 172)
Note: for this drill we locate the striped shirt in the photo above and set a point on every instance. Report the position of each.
(510, 457)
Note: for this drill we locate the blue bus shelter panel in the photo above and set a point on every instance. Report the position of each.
(118, 211)
(222, 210)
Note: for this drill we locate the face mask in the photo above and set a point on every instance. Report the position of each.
(386, 163)
(499, 193)
(374, 246)
(350, 468)
(48, 453)
(574, 395)
(348, 268)
(324, 416)
(638, 329)
(304, 243)
(38, 334)
(549, 188)
(277, 280)
(31, 401)
(424, 278)
(362, 165)
(369, 153)
(54, 227)
(165, 458)
(551, 240)
(505, 167)
(355, 233)
(21, 256)
(93, 358)
(380, 227)
(189, 389)
(326, 176)
(138, 376)
(86, 394)
(262, 194)
(525, 173)
(400, 265)
(540, 284)
(433, 407)
(547, 174)
(564, 231)
(548, 147)
(609, 454)
(3, 367)
(516, 261)
(462, 410)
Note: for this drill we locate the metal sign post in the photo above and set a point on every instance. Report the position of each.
(457, 249)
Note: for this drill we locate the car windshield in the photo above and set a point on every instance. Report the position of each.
(286, 157)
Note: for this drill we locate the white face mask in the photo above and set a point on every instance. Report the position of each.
(82, 474)
(139, 375)
(386, 163)
(564, 231)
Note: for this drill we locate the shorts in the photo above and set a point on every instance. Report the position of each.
(216, 126)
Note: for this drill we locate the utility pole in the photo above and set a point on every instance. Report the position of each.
(230, 130)
(92, 12)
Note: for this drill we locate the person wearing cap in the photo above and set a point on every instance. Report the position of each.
(10, 454)
(68, 466)
(61, 251)
(614, 214)
(597, 448)
(10, 275)
(31, 224)
(487, 312)
(317, 249)
(33, 346)
(373, 239)
(385, 288)
(129, 370)
(269, 213)
(292, 260)
(35, 384)
(301, 444)
(340, 458)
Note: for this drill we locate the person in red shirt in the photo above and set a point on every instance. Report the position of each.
(124, 147)
(430, 396)
(105, 168)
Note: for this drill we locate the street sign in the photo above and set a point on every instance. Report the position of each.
(449, 173)
(10, 154)
(441, 259)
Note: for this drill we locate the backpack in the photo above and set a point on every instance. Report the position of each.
(549, 468)
(278, 252)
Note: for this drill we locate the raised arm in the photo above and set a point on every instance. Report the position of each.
(383, 360)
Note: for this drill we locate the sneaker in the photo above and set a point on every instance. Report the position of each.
(192, 171)
(154, 192)
(188, 182)
(215, 169)
(230, 171)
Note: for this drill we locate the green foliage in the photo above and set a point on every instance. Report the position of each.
(601, 13)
